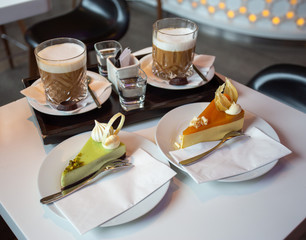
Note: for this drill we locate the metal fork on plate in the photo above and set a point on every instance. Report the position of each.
(114, 165)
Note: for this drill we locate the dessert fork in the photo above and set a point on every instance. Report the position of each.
(114, 165)
(226, 137)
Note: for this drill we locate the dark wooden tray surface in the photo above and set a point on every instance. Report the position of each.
(55, 129)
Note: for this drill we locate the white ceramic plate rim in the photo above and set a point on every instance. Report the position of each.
(167, 132)
(51, 111)
(157, 82)
(55, 162)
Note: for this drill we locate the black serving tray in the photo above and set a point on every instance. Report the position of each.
(55, 129)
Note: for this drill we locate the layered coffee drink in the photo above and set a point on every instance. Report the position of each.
(173, 49)
(62, 69)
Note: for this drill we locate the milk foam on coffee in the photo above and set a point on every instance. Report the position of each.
(170, 39)
(61, 54)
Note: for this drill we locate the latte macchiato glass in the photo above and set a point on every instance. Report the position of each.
(62, 67)
(174, 41)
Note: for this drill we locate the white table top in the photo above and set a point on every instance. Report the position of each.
(269, 207)
(14, 10)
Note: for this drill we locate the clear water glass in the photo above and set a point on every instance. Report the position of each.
(132, 90)
(104, 50)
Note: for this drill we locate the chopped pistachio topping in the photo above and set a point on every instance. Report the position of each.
(75, 163)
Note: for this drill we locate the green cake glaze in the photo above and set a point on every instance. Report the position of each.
(91, 157)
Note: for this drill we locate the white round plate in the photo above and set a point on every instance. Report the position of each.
(146, 66)
(51, 169)
(51, 111)
(174, 122)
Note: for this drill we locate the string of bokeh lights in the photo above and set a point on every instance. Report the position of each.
(243, 7)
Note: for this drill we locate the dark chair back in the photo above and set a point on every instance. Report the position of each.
(284, 82)
(91, 21)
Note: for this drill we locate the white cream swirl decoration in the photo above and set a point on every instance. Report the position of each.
(106, 134)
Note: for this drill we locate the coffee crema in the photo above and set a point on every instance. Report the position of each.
(173, 52)
(62, 69)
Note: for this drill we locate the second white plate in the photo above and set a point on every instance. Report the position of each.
(174, 122)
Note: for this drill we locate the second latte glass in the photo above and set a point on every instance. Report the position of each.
(174, 41)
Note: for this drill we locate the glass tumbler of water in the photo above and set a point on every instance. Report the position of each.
(104, 50)
(132, 90)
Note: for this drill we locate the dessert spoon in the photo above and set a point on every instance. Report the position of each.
(226, 137)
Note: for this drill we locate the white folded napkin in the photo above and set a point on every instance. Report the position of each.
(204, 62)
(125, 57)
(115, 193)
(235, 157)
(36, 91)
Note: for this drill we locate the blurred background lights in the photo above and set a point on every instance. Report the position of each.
(275, 20)
(211, 9)
(221, 5)
(252, 18)
(246, 16)
(293, 2)
(300, 22)
(194, 4)
(290, 14)
(242, 9)
(231, 14)
(276, 11)
(265, 13)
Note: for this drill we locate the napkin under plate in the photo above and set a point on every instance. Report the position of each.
(235, 157)
(115, 193)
